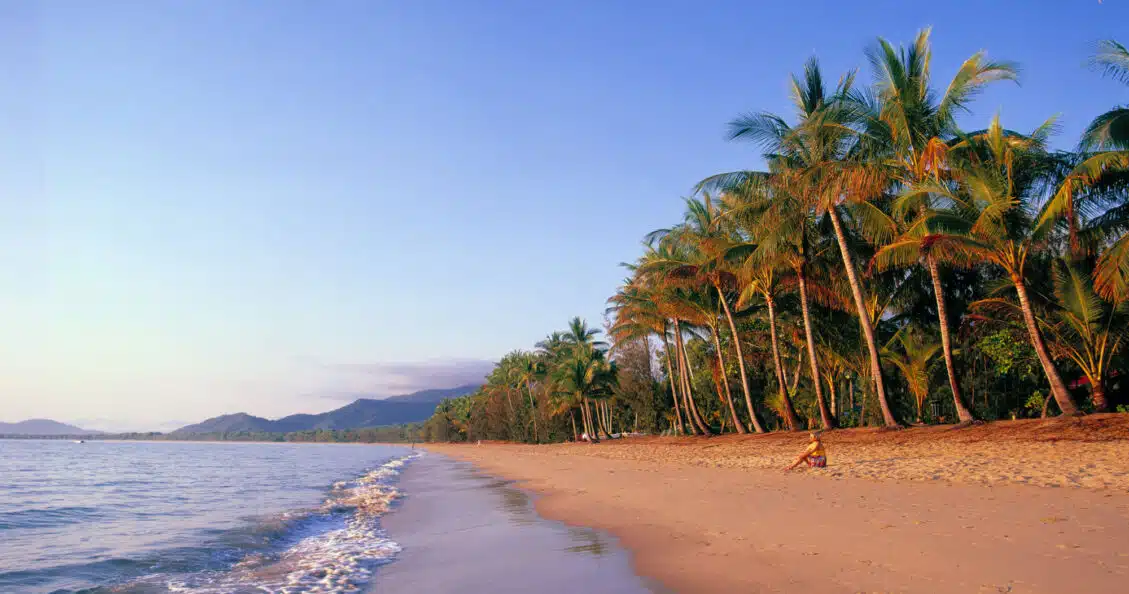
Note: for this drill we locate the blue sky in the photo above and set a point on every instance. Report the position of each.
(277, 206)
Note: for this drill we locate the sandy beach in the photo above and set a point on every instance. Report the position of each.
(1025, 506)
(464, 531)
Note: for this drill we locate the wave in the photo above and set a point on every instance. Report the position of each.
(47, 517)
(333, 548)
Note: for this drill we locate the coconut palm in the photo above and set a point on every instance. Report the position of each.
(1078, 323)
(1000, 175)
(583, 376)
(913, 354)
(823, 159)
(918, 123)
(759, 209)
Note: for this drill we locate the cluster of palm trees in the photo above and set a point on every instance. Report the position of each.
(872, 200)
(885, 265)
(560, 390)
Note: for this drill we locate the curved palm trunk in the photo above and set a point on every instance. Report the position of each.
(741, 365)
(1058, 387)
(789, 411)
(673, 390)
(590, 424)
(572, 417)
(690, 404)
(963, 413)
(683, 379)
(864, 319)
(824, 413)
(725, 382)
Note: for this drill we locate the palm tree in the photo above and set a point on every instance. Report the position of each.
(1101, 173)
(1078, 323)
(701, 262)
(914, 359)
(917, 124)
(1000, 174)
(822, 158)
(763, 281)
(584, 375)
(759, 209)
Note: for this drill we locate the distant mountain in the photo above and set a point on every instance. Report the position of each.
(42, 427)
(364, 412)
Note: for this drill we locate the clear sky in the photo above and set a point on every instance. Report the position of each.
(277, 206)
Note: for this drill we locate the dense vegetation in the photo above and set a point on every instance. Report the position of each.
(885, 267)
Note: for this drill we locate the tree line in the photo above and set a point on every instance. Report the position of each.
(886, 266)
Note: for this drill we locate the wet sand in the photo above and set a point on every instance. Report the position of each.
(711, 515)
(465, 532)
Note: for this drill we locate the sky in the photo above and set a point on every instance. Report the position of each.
(280, 206)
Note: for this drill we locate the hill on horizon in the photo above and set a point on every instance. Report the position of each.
(43, 427)
(363, 412)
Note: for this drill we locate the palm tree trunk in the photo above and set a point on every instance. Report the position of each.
(725, 381)
(590, 423)
(673, 390)
(572, 417)
(963, 413)
(684, 381)
(1058, 387)
(834, 398)
(741, 365)
(690, 404)
(789, 411)
(1097, 395)
(532, 410)
(864, 318)
(824, 414)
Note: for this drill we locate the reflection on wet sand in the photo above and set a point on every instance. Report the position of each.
(465, 532)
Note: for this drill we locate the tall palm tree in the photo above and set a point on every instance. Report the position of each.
(1000, 175)
(759, 209)
(702, 263)
(822, 157)
(763, 280)
(916, 124)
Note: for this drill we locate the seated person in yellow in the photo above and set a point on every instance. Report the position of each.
(815, 455)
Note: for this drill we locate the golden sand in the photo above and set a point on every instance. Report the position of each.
(937, 509)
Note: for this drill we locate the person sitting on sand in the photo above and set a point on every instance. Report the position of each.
(815, 455)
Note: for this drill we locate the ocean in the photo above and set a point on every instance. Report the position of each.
(241, 518)
(129, 517)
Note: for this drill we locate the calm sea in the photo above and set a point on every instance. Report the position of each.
(138, 517)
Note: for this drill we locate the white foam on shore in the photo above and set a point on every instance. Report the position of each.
(332, 558)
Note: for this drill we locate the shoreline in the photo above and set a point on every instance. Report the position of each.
(698, 527)
(485, 536)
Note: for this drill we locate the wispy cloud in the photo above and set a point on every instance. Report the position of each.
(391, 379)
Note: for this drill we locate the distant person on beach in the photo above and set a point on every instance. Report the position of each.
(815, 455)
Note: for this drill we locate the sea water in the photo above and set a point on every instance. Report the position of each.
(140, 517)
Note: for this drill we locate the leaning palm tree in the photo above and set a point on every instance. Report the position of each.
(821, 159)
(701, 263)
(1079, 325)
(1000, 175)
(762, 281)
(758, 209)
(635, 308)
(916, 124)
